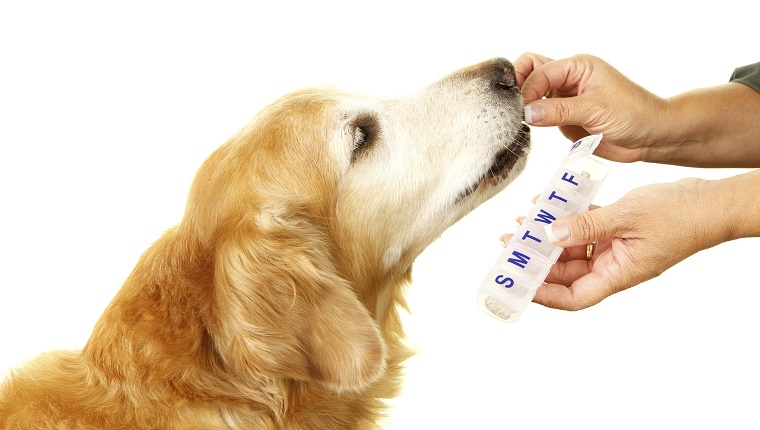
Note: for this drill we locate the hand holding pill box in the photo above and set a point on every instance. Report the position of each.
(523, 266)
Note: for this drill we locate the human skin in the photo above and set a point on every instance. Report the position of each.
(710, 127)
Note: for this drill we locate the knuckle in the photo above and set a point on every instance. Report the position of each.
(561, 111)
(690, 182)
(586, 227)
(586, 58)
(525, 56)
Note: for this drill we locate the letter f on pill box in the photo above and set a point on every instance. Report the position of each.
(523, 266)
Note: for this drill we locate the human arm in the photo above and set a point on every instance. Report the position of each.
(645, 233)
(710, 127)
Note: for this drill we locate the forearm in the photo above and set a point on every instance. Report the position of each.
(709, 127)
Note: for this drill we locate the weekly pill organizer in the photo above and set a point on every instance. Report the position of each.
(523, 266)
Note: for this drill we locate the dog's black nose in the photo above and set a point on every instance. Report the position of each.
(498, 73)
(503, 73)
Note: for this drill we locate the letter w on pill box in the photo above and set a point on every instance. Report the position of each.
(523, 266)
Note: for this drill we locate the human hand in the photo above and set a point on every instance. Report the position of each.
(588, 96)
(638, 237)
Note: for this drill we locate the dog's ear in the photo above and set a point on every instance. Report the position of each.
(282, 310)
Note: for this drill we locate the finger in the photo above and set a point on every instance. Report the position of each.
(566, 273)
(583, 293)
(554, 296)
(575, 111)
(581, 252)
(574, 253)
(561, 75)
(587, 227)
(526, 63)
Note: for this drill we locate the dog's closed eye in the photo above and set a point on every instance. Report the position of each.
(365, 132)
(360, 139)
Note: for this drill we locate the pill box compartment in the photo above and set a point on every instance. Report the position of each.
(504, 293)
(590, 165)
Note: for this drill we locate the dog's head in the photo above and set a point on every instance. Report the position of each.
(413, 166)
(325, 196)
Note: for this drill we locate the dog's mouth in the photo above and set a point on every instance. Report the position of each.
(505, 159)
(503, 162)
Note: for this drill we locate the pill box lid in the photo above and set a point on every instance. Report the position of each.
(580, 159)
(583, 147)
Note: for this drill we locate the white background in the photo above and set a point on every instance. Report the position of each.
(106, 112)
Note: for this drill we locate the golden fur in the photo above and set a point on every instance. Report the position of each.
(274, 303)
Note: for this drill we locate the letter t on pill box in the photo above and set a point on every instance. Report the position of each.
(523, 266)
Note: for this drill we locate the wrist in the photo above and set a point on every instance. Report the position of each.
(676, 137)
(735, 207)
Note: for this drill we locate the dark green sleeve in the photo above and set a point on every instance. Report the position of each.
(748, 75)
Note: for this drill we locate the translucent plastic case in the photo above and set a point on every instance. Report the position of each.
(525, 263)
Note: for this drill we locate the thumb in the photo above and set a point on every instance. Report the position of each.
(558, 111)
(585, 227)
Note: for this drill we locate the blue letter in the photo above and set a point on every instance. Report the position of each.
(528, 236)
(503, 280)
(521, 259)
(544, 217)
(555, 196)
(570, 179)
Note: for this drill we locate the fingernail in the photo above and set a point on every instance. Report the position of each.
(503, 240)
(558, 231)
(534, 114)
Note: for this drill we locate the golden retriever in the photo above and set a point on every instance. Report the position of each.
(274, 304)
